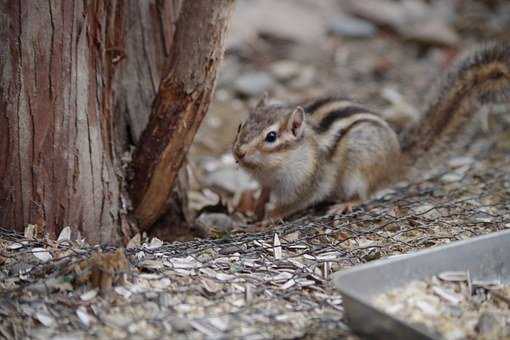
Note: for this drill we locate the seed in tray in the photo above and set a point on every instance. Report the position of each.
(448, 295)
(444, 305)
(454, 276)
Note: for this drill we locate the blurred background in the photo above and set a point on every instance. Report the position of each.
(385, 53)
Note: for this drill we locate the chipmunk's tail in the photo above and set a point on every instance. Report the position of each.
(480, 78)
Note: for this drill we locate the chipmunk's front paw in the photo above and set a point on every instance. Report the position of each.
(266, 223)
(342, 208)
(256, 227)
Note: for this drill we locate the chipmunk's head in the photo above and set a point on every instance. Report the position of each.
(265, 140)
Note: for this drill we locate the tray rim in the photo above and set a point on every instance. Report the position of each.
(348, 292)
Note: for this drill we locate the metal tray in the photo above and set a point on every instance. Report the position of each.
(485, 257)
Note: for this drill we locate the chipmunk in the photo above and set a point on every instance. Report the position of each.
(332, 149)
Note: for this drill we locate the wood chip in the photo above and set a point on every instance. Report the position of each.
(152, 264)
(87, 296)
(182, 263)
(42, 254)
(326, 267)
(84, 317)
(287, 284)
(123, 292)
(277, 248)
(65, 235)
(45, 319)
(202, 327)
(292, 237)
(210, 285)
(154, 244)
(134, 242)
(30, 231)
(15, 245)
(248, 293)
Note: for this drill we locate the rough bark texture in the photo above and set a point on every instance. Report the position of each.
(77, 83)
(57, 162)
(182, 101)
(149, 30)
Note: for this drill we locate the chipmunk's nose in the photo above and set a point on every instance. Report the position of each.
(240, 155)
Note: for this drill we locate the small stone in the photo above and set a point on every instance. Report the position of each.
(305, 79)
(351, 27)
(452, 177)
(216, 220)
(433, 32)
(180, 324)
(231, 179)
(428, 211)
(460, 161)
(487, 323)
(254, 84)
(285, 70)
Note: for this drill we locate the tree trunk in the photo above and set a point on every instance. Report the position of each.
(77, 82)
(149, 28)
(181, 104)
(58, 166)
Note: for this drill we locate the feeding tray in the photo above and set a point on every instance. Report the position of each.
(485, 257)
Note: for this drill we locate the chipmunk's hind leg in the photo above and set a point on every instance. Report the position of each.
(368, 156)
(355, 190)
(343, 208)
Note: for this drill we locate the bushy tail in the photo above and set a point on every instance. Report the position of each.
(480, 78)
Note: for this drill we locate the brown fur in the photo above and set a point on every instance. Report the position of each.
(345, 152)
(327, 171)
(480, 78)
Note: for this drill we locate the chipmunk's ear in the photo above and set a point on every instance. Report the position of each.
(296, 122)
(263, 100)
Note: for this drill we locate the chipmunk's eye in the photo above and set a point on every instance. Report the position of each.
(271, 137)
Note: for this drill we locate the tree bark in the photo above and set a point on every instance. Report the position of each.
(58, 165)
(149, 30)
(77, 82)
(180, 105)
